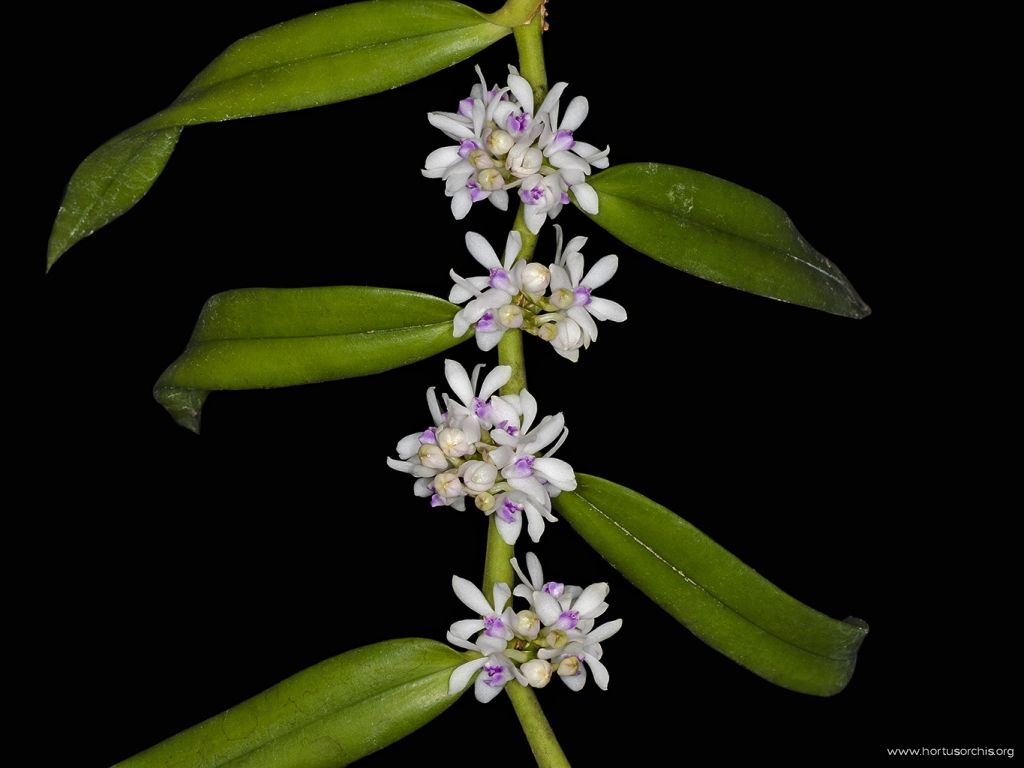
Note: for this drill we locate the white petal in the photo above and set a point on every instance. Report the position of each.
(546, 607)
(414, 469)
(535, 523)
(577, 681)
(503, 413)
(535, 570)
(557, 472)
(573, 355)
(466, 628)
(586, 151)
(583, 319)
(433, 407)
(484, 692)
(458, 380)
(509, 530)
(575, 114)
(482, 251)
(601, 272)
(459, 642)
(599, 670)
(461, 204)
(488, 340)
(442, 158)
(523, 92)
(489, 644)
(560, 279)
(501, 456)
(409, 445)
(462, 674)
(529, 405)
(456, 177)
(531, 487)
(422, 488)
(549, 428)
(574, 265)
(466, 288)
(499, 199)
(452, 127)
(592, 597)
(564, 159)
(605, 309)
(513, 244)
(470, 595)
(522, 577)
(460, 324)
(551, 100)
(586, 197)
(572, 176)
(534, 217)
(502, 594)
(605, 631)
(495, 380)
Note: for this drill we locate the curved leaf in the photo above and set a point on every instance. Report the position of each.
(721, 232)
(725, 603)
(326, 716)
(278, 337)
(326, 57)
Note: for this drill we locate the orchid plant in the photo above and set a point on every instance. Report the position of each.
(486, 445)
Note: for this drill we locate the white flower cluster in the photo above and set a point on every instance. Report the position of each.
(503, 143)
(486, 447)
(555, 303)
(554, 636)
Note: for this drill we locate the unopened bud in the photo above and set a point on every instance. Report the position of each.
(485, 502)
(535, 279)
(563, 298)
(500, 142)
(479, 476)
(555, 638)
(547, 332)
(480, 159)
(510, 316)
(527, 624)
(537, 672)
(490, 179)
(448, 486)
(569, 666)
(453, 442)
(433, 457)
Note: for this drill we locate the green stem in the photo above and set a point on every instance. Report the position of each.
(516, 12)
(545, 746)
(546, 749)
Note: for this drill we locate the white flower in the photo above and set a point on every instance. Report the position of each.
(584, 648)
(491, 622)
(556, 636)
(503, 142)
(493, 291)
(473, 400)
(496, 670)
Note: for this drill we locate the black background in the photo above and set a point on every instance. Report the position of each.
(192, 572)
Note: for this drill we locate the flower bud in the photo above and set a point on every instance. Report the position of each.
(453, 442)
(479, 476)
(535, 279)
(569, 666)
(433, 457)
(570, 335)
(563, 298)
(490, 179)
(537, 672)
(554, 638)
(448, 486)
(510, 316)
(485, 502)
(527, 624)
(524, 161)
(500, 142)
(547, 332)
(480, 159)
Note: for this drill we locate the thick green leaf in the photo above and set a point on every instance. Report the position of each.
(725, 603)
(278, 337)
(326, 716)
(326, 57)
(719, 231)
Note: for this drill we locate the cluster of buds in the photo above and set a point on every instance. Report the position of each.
(555, 302)
(487, 448)
(504, 143)
(554, 636)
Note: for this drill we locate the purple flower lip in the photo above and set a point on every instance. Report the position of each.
(518, 123)
(509, 509)
(466, 146)
(486, 322)
(429, 436)
(494, 626)
(531, 196)
(475, 193)
(583, 295)
(554, 588)
(495, 675)
(466, 107)
(568, 620)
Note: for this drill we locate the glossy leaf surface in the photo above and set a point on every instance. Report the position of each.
(277, 337)
(721, 600)
(721, 232)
